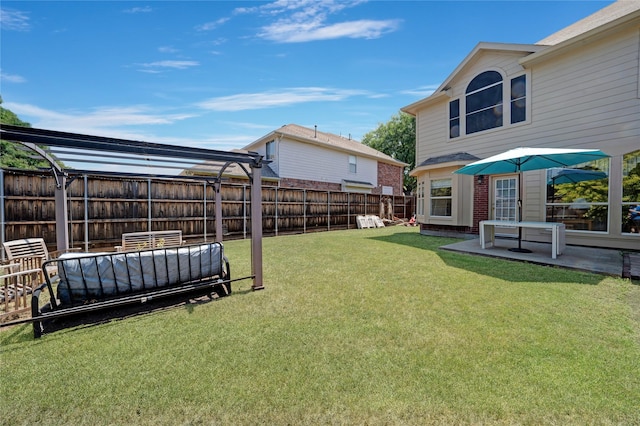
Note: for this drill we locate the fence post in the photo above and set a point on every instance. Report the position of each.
(149, 216)
(244, 211)
(275, 226)
(86, 213)
(328, 210)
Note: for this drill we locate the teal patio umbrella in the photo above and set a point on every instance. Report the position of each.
(520, 160)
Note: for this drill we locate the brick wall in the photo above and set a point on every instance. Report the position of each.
(389, 175)
(310, 184)
(480, 202)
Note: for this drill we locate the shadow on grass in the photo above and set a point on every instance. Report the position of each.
(503, 269)
(24, 332)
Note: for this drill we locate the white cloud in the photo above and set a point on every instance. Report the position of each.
(167, 49)
(279, 98)
(145, 9)
(211, 25)
(97, 121)
(14, 20)
(12, 78)
(297, 32)
(308, 20)
(422, 91)
(156, 67)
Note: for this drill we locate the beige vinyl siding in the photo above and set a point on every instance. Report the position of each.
(584, 97)
(310, 162)
(433, 124)
(568, 106)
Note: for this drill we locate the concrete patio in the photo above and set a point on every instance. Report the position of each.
(601, 261)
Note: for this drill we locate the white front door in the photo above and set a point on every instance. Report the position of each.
(505, 203)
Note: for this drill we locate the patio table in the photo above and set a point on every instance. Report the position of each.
(487, 233)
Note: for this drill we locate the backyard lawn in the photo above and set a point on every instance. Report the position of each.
(371, 326)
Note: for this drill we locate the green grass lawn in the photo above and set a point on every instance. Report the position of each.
(372, 326)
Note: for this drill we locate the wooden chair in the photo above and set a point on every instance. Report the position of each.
(17, 283)
(23, 272)
(31, 253)
(26, 252)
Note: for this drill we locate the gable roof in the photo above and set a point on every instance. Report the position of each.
(479, 49)
(602, 17)
(611, 17)
(326, 140)
(616, 17)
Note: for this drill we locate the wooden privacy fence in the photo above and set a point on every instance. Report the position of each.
(101, 209)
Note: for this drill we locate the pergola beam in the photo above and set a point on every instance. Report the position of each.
(106, 144)
(141, 151)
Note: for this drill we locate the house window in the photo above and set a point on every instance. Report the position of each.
(352, 164)
(484, 102)
(440, 197)
(631, 192)
(518, 99)
(579, 196)
(454, 118)
(271, 150)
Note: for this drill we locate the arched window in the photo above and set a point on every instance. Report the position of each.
(484, 101)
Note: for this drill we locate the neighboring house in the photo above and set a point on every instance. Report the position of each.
(578, 88)
(307, 158)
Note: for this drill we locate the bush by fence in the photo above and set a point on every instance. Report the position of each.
(102, 208)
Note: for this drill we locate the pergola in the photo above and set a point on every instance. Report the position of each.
(98, 151)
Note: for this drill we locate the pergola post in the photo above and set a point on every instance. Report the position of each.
(62, 230)
(256, 225)
(218, 211)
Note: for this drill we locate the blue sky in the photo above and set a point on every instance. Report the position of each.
(221, 74)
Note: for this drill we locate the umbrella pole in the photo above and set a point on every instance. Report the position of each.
(519, 249)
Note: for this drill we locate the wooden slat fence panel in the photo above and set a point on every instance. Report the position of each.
(112, 206)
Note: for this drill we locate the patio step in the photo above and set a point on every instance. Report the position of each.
(631, 266)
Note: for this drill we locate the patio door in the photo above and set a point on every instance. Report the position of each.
(505, 203)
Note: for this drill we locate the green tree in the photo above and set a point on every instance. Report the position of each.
(397, 138)
(10, 153)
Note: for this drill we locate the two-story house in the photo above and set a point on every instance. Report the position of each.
(307, 158)
(577, 88)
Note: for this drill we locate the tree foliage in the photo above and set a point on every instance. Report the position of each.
(10, 153)
(397, 138)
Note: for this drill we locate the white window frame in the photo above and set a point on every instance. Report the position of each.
(270, 150)
(420, 198)
(441, 197)
(506, 106)
(353, 164)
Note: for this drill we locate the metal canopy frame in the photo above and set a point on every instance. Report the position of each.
(100, 150)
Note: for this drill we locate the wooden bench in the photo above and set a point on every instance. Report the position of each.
(150, 240)
(90, 282)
